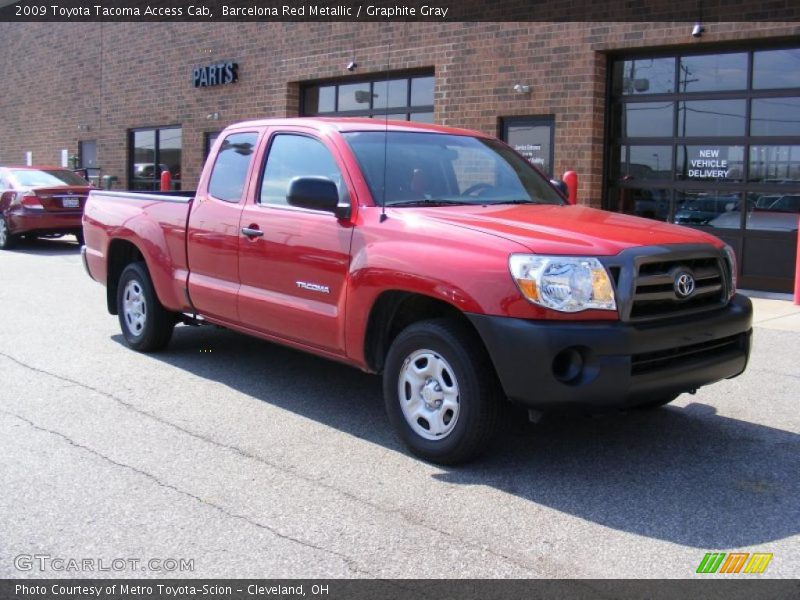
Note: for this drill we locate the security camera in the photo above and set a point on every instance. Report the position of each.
(698, 30)
(352, 65)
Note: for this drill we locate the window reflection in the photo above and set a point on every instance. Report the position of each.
(401, 98)
(389, 94)
(649, 203)
(156, 151)
(230, 169)
(354, 96)
(698, 118)
(646, 76)
(772, 212)
(422, 117)
(648, 119)
(422, 91)
(775, 116)
(713, 73)
(775, 164)
(774, 69)
(170, 143)
(707, 208)
(292, 156)
(649, 162)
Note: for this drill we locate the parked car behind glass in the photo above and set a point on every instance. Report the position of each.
(775, 212)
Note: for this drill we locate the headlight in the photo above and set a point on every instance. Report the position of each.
(563, 283)
(731, 255)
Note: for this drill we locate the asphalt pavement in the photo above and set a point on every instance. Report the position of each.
(226, 456)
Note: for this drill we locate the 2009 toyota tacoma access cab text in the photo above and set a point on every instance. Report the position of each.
(437, 257)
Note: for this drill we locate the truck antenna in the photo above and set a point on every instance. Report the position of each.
(385, 137)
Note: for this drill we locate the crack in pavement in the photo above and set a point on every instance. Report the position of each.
(291, 472)
(350, 562)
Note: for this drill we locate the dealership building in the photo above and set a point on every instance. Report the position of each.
(658, 121)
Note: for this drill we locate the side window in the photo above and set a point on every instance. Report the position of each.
(230, 169)
(293, 156)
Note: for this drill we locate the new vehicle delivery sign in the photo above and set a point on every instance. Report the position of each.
(708, 165)
(712, 163)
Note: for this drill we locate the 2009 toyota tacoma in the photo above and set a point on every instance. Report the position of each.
(437, 257)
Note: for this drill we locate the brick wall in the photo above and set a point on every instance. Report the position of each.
(61, 78)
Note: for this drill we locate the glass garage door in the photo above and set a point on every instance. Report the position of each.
(712, 141)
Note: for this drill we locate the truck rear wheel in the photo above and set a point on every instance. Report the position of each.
(146, 325)
(441, 393)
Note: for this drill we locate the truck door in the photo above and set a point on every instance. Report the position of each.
(293, 262)
(213, 232)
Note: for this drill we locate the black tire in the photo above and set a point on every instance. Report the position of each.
(7, 239)
(475, 380)
(154, 330)
(657, 403)
(79, 237)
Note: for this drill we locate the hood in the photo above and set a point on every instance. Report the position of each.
(570, 230)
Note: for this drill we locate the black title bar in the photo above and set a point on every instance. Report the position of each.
(740, 588)
(399, 10)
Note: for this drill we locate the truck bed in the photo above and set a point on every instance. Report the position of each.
(154, 224)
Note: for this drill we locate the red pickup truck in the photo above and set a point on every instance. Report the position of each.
(435, 256)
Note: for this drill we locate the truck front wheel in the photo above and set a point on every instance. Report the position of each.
(146, 324)
(441, 393)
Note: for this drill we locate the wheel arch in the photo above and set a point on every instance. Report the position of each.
(393, 311)
(120, 254)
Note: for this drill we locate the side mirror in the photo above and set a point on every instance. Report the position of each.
(316, 193)
(561, 186)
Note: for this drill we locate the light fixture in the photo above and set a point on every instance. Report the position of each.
(698, 30)
(521, 88)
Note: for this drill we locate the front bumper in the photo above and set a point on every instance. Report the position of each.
(595, 365)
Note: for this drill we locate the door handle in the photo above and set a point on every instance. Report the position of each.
(252, 232)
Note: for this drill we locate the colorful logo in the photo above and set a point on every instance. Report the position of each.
(734, 562)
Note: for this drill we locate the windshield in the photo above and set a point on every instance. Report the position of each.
(435, 168)
(47, 178)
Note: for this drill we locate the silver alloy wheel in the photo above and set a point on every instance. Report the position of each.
(3, 232)
(134, 308)
(428, 393)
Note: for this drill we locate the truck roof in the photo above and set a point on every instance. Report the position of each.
(343, 124)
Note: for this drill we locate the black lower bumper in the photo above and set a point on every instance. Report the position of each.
(593, 365)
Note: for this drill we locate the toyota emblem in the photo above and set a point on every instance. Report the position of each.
(684, 285)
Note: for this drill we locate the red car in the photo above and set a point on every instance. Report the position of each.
(42, 201)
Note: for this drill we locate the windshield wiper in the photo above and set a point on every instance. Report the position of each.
(429, 202)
